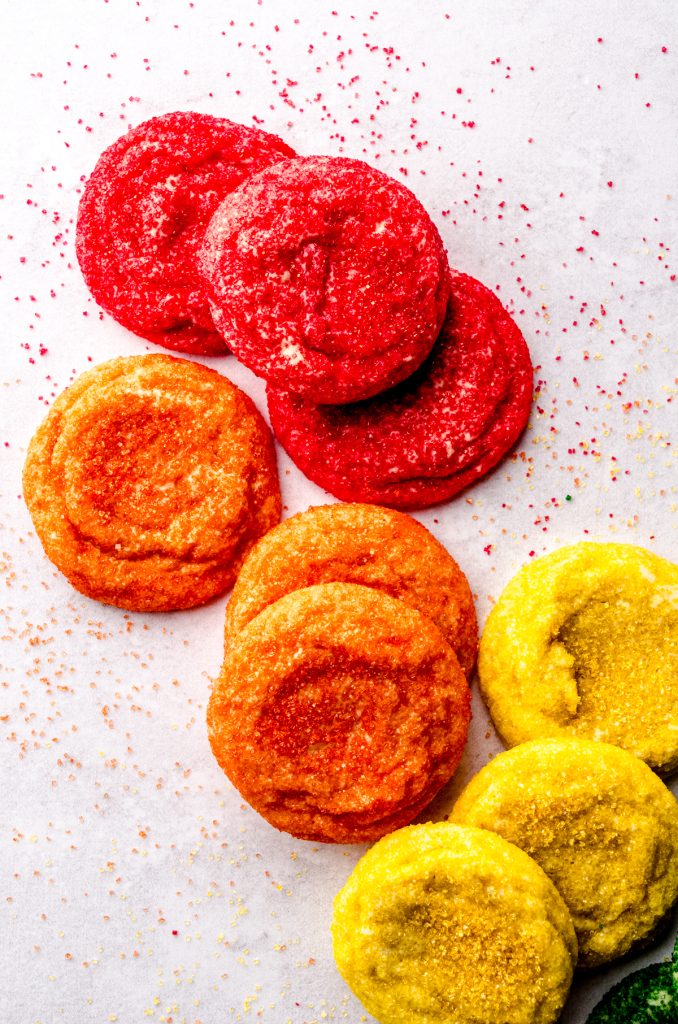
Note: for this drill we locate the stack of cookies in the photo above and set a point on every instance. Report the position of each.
(560, 853)
(390, 378)
(343, 704)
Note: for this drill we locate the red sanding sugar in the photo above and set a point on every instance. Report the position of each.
(432, 435)
(327, 277)
(143, 216)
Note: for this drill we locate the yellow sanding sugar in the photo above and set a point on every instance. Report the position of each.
(584, 642)
(444, 924)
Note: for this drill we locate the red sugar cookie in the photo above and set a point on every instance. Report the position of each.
(327, 278)
(143, 215)
(432, 435)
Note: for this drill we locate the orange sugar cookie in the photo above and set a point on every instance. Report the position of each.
(366, 544)
(148, 482)
(339, 713)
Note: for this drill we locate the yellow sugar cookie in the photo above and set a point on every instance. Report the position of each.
(600, 823)
(584, 642)
(444, 924)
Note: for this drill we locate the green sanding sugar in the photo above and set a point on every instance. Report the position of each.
(674, 972)
(647, 996)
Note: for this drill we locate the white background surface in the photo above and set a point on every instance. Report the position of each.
(541, 136)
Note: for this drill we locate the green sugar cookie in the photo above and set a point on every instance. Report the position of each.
(644, 997)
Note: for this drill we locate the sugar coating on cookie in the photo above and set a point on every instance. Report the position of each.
(328, 278)
(584, 642)
(434, 434)
(443, 924)
(599, 822)
(339, 713)
(148, 482)
(643, 997)
(366, 544)
(143, 214)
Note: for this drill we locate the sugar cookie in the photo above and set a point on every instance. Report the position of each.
(149, 481)
(584, 642)
(328, 278)
(599, 822)
(143, 215)
(442, 924)
(432, 435)
(366, 544)
(339, 713)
